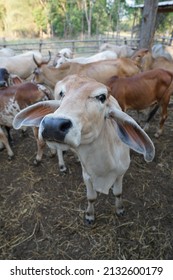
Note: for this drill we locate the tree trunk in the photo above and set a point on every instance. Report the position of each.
(88, 14)
(148, 23)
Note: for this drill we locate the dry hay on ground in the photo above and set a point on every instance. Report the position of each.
(41, 209)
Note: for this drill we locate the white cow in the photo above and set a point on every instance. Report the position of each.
(161, 50)
(22, 65)
(63, 53)
(121, 51)
(89, 120)
(7, 52)
(84, 60)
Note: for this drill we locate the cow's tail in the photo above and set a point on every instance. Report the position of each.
(155, 109)
(153, 112)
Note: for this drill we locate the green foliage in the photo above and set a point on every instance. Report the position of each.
(69, 18)
(2, 16)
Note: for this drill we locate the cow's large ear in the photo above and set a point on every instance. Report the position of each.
(132, 134)
(32, 115)
(15, 80)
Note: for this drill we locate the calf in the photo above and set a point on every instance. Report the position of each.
(90, 121)
(142, 91)
(12, 100)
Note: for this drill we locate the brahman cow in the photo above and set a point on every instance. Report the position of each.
(138, 56)
(23, 64)
(7, 79)
(146, 61)
(12, 100)
(142, 91)
(63, 53)
(101, 71)
(90, 121)
(4, 78)
(161, 50)
(7, 52)
(121, 51)
(84, 60)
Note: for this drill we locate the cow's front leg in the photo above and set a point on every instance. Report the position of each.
(91, 196)
(117, 191)
(61, 162)
(40, 146)
(4, 141)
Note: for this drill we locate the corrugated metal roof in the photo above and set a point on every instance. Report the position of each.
(165, 3)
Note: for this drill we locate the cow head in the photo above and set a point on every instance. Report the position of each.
(138, 57)
(38, 76)
(4, 77)
(83, 109)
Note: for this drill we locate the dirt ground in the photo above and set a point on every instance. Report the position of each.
(42, 209)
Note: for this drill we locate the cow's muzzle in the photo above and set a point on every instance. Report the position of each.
(55, 129)
(3, 84)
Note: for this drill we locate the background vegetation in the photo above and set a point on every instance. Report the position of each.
(71, 18)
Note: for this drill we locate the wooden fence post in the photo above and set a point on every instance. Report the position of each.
(73, 46)
(163, 40)
(4, 42)
(40, 45)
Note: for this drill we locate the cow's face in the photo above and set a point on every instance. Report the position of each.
(80, 117)
(38, 76)
(4, 78)
(84, 112)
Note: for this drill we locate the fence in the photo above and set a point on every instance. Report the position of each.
(79, 47)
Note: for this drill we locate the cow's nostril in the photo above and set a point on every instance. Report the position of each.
(65, 125)
(2, 83)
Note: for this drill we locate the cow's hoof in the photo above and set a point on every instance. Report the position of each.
(36, 162)
(89, 220)
(10, 157)
(62, 168)
(120, 212)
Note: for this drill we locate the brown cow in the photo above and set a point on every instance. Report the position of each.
(142, 91)
(138, 56)
(12, 100)
(146, 61)
(101, 71)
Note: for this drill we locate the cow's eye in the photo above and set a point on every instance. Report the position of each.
(101, 97)
(61, 94)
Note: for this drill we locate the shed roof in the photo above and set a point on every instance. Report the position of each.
(163, 7)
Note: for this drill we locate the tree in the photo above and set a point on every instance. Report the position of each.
(23, 18)
(40, 15)
(88, 8)
(148, 23)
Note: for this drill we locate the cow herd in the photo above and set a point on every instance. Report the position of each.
(82, 104)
